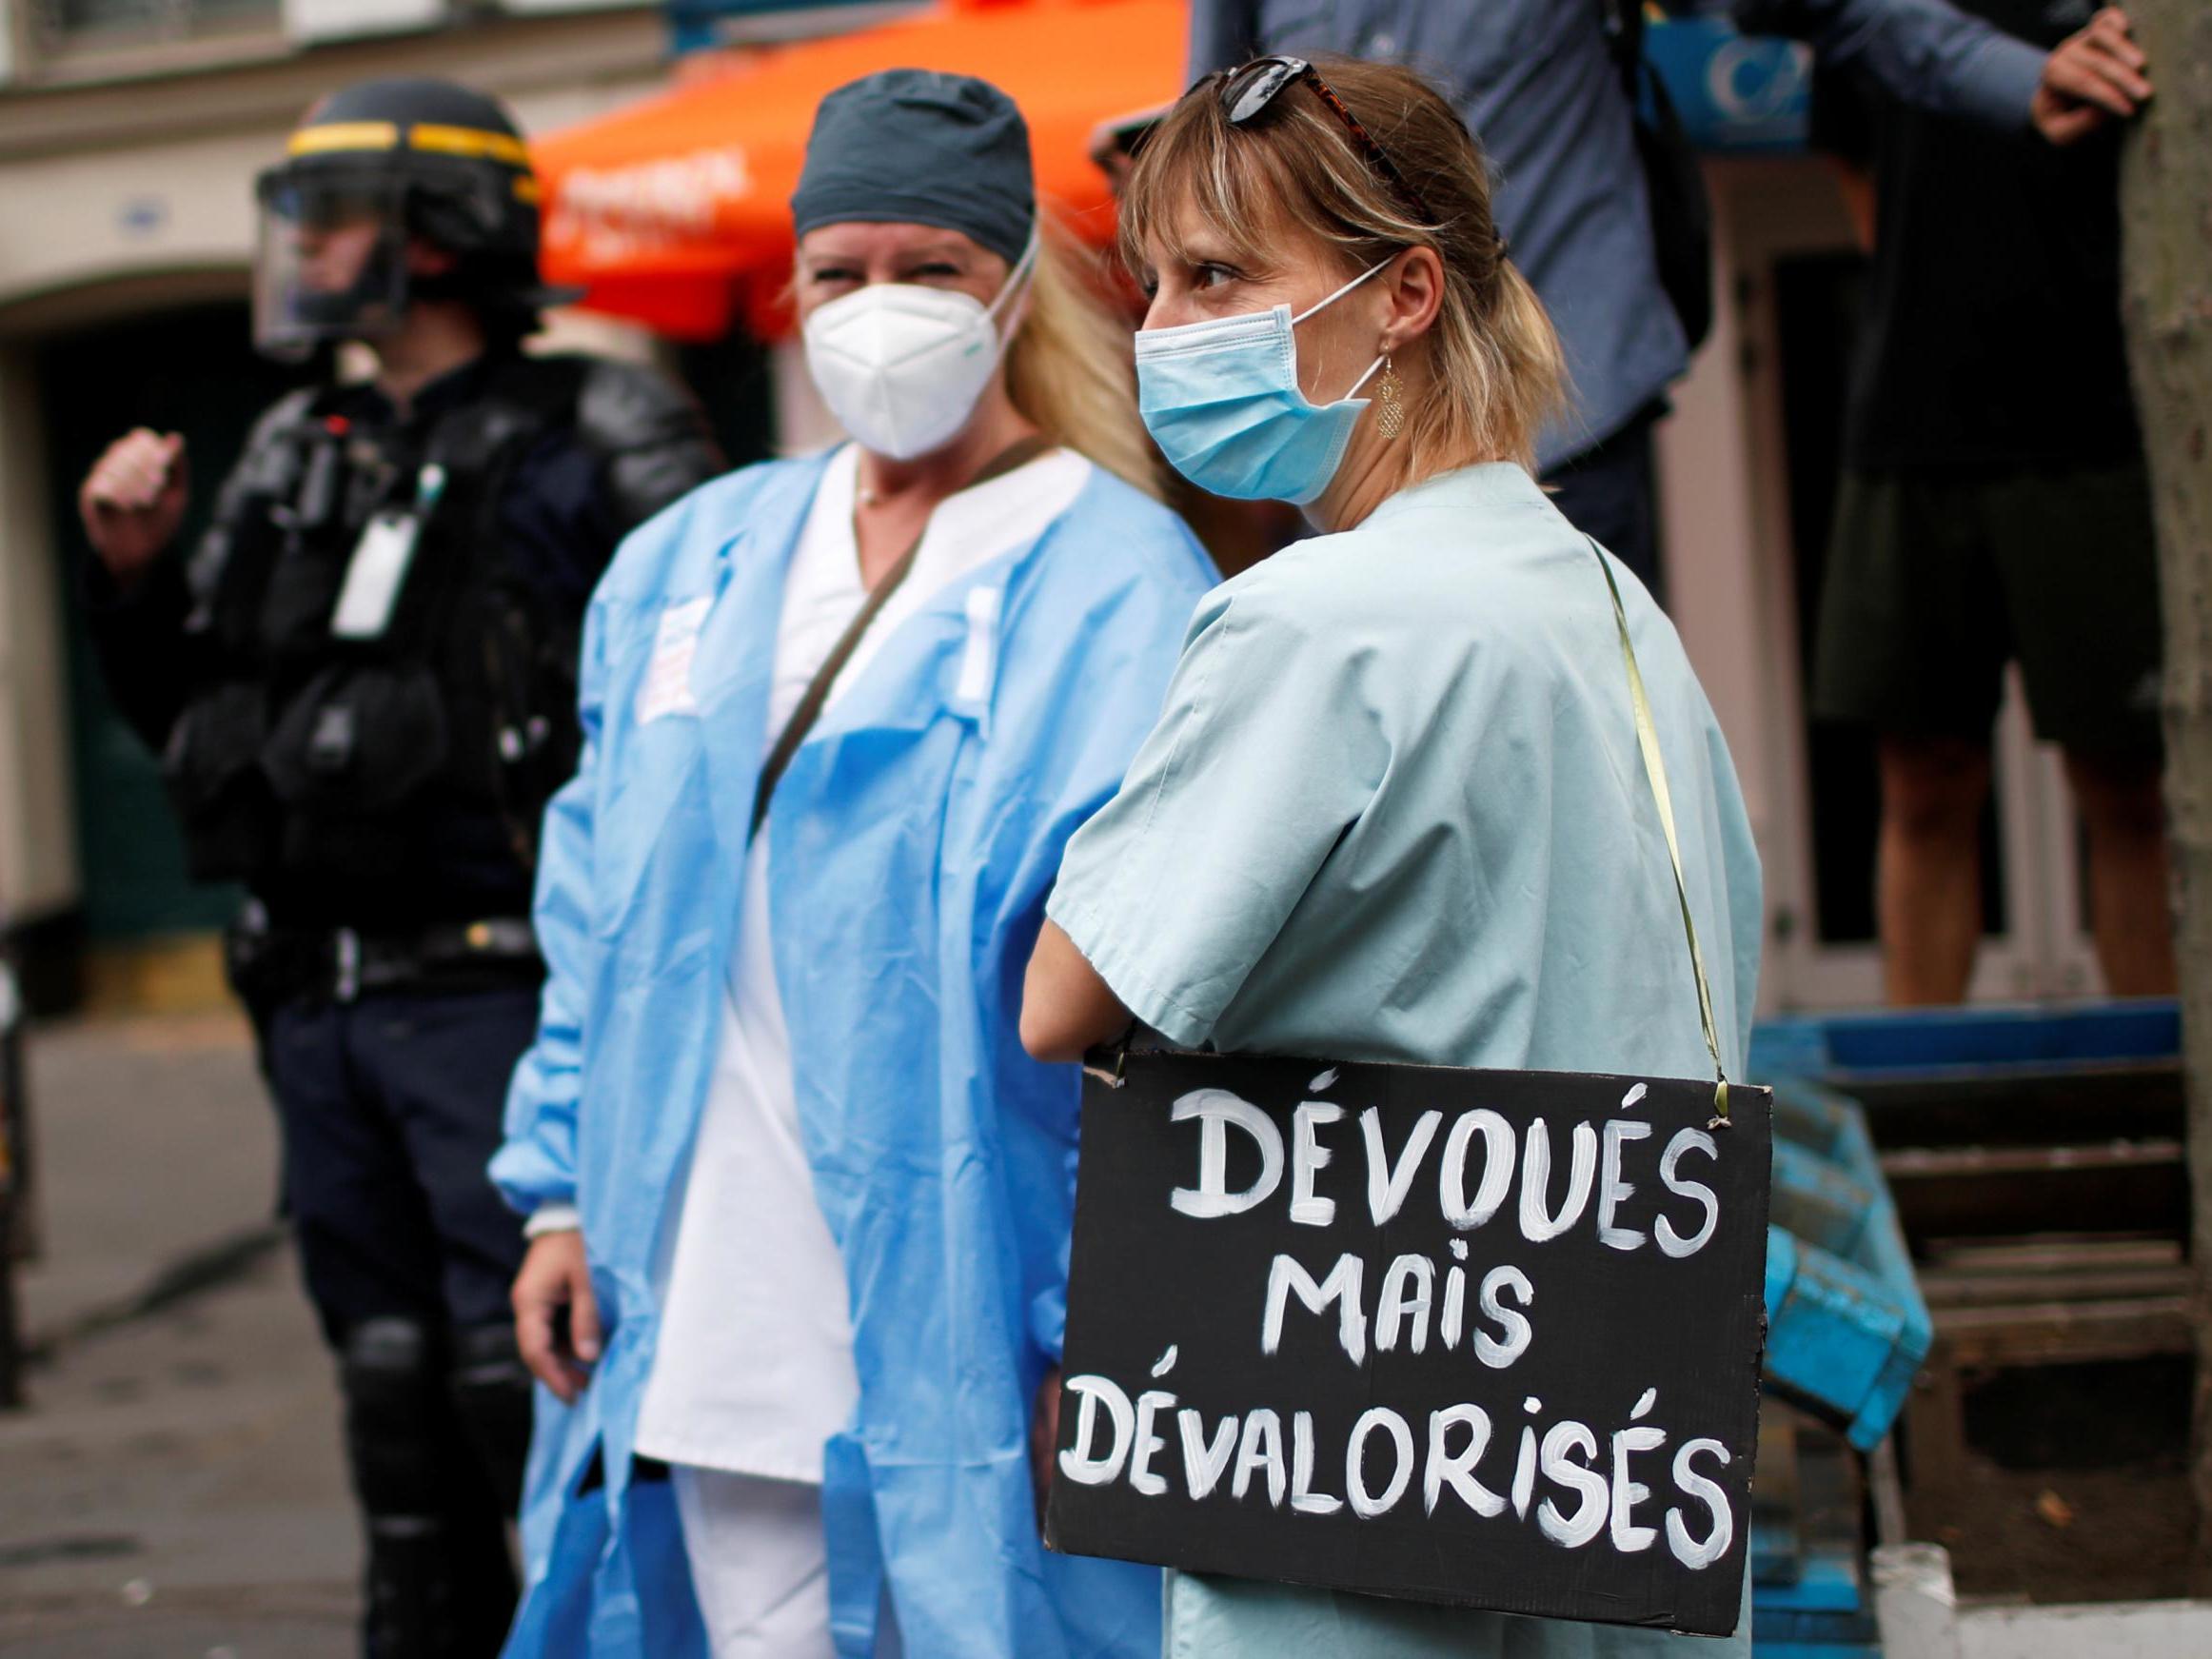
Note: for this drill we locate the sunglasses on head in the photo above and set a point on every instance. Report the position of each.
(1247, 92)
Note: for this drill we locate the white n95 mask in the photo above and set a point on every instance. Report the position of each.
(901, 365)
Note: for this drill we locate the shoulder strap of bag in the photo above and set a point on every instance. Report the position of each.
(1655, 770)
(1017, 454)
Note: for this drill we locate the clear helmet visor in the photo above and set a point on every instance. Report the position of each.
(331, 260)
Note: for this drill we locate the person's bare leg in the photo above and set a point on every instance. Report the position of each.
(2128, 899)
(1928, 867)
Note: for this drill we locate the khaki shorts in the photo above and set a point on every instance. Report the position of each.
(1934, 583)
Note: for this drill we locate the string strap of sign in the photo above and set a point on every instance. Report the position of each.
(1655, 769)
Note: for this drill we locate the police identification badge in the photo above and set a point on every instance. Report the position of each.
(374, 575)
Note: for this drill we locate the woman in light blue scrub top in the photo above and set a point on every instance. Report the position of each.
(1394, 808)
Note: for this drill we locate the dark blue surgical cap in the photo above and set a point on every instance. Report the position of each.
(917, 146)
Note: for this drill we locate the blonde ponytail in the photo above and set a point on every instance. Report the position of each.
(1507, 354)
(1069, 368)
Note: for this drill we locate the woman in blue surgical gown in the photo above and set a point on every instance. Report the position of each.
(1395, 808)
(798, 1201)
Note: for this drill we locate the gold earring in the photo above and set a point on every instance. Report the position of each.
(1389, 415)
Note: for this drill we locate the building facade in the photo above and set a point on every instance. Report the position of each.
(130, 134)
(131, 131)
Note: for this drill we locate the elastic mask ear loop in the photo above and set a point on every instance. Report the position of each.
(1018, 276)
(1324, 305)
(1363, 379)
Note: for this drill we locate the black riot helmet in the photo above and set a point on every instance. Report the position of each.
(371, 167)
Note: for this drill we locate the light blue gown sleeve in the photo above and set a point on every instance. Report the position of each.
(1094, 691)
(1266, 752)
(537, 1165)
(1925, 52)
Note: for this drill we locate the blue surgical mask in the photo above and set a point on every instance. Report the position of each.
(1221, 399)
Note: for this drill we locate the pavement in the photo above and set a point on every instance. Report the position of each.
(174, 1485)
(173, 1488)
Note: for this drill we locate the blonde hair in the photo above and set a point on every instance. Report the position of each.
(1495, 369)
(1069, 368)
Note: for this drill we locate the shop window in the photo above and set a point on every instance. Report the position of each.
(65, 31)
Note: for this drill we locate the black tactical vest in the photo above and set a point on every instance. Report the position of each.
(330, 747)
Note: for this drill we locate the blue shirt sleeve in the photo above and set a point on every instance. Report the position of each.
(1927, 53)
(1223, 34)
(1265, 754)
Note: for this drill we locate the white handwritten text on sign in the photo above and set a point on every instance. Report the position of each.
(1486, 1339)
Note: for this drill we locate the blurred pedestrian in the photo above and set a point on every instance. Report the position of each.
(1395, 807)
(801, 1203)
(1994, 509)
(362, 683)
(1542, 86)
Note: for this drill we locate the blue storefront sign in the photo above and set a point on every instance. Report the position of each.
(1733, 91)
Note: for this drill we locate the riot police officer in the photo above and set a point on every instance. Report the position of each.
(362, 685)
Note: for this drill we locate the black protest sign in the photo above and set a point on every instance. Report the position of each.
(1485, 1338)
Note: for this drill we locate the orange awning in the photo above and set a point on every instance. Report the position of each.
(676, 212)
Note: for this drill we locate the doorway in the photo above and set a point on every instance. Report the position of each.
(191, 370)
